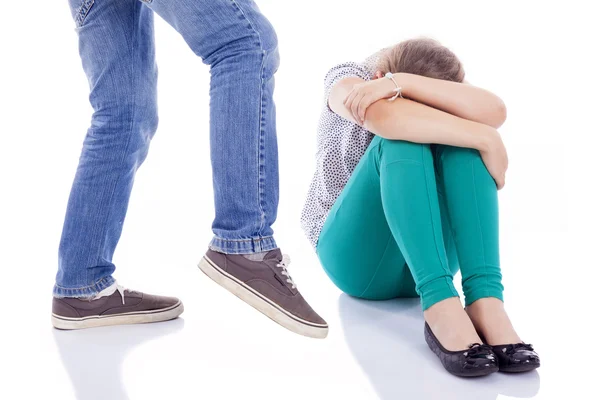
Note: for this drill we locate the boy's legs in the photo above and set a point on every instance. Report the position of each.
(117, 52)
(116, 43)
(240, 45)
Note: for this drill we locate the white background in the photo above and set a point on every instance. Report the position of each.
(541, 57)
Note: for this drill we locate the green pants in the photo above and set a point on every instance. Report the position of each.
(409, 217)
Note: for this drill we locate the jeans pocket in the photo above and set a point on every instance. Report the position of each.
(80, 10)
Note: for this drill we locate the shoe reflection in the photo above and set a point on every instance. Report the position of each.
(386, 338)
(94, 357)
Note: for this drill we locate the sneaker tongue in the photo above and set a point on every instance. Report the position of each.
(274, 255)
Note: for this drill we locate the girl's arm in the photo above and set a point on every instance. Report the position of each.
(412, 121)
(460, 99)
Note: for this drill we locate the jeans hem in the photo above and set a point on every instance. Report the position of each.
(83, 292)
(243, 246)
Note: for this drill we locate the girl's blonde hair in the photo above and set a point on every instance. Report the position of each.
(422, 56)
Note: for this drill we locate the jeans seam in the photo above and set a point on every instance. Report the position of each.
(237, 246)
(261, 140)
(260, 143)
(235, 3)
(83, 11)
(84, 291)
(81, 287)
(245, 240)
(130, 133)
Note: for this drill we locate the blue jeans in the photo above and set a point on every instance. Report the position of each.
(116, 44)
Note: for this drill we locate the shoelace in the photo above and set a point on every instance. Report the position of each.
(283, 264)
(121, 291)
(110, 290)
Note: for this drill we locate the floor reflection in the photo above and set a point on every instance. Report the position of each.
(94, 357)
(386, 338)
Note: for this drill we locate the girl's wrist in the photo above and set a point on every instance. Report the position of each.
(404, 80)
(488, 139)
(394, 89)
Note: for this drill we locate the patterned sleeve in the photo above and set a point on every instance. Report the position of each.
(342, 71)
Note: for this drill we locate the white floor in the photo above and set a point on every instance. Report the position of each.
(223, 349)
(540, 59)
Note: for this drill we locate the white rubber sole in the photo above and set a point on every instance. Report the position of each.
(141, 317)
(261, 303)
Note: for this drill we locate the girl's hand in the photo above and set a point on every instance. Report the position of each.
(495, 158)
(367, 93)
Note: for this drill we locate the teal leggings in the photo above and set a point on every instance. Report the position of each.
(409, 217)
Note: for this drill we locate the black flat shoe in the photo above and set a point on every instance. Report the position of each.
(518, 357)
(477, 360)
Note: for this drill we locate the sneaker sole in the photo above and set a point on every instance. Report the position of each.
(140, 317)
(261, 303)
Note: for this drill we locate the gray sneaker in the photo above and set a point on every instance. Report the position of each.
(266, 286)
(122, 307)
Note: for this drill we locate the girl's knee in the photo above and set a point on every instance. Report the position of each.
(400, 150)
(362, 287)
(457, 154)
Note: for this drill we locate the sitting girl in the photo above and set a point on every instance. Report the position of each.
(405, 194)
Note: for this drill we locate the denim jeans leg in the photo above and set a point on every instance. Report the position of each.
(117, 50)
(240, 45)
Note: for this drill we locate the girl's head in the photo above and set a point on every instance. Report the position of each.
(422, 56)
